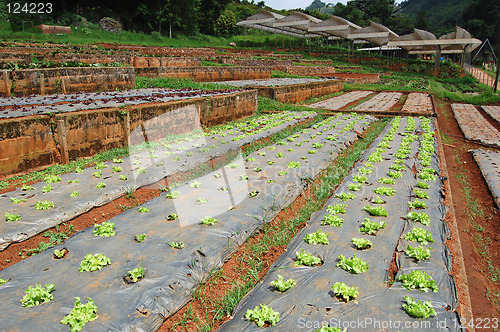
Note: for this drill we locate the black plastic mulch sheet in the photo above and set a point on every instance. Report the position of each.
(25, 106)
(311, 304)
(489, 164)
(140, 169)
(171, 274)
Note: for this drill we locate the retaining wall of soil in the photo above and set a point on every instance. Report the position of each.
(33, 142)
(358, 78)
(208, 74)
(164, 51)
(65, 80)
(309, 70)
(298, 93)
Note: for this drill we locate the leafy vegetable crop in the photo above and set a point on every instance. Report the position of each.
(293, 164)
(60, 253)
(173, 194)
(43, 205)
(12, 217)
(417, 204)
(93, 263)
(140, 237)
(282, 285)
(420, 217)
(136, 274)
(388, 191)
(80, 315)
(207, 220)
(105, 229)
(418, 280)
(317, 237)
(305, 258)
(386, 180)
(345, 196)
(261, 315)
(38, 295)
(418, 253)
(336, 208)
(347, 293)
(376, 210)
(352, 265)
(177, 245)
(418, 234)
(361, 244)
(418, 309)
(332, 220)
(421, 194)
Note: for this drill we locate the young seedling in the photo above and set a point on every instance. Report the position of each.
(176, 245)
(386, 180)
(262, 315)
(253, 194)
(173, 194)
(352, 265)
(418, 309)
(344, 292)
(387, 191)
(379, 211)
(420, 217)
(105, 229)
(140, 237)
(201, 201)
(421, 194)
(136, 274)
(418, 280)
(317, 237)
(418, 253)
(282, 285)
(336, 208)
(345, 196)
(207, 220)
(16, 200)
(332, 220)
(361, 244)
(101, 185)
(416, 204)
(293, 164)
(12, 217)
(58, 254)
(371, 227)
(418, 234)
(305, 258)
(43, 205)
(38, 295)
(80, 315)
(93, 263)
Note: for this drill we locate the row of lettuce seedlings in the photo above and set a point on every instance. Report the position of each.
(417, 279)
(158, 161)
(83, 313)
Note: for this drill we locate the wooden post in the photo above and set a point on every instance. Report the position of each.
(7, 83)
(63, 85)
(61, 133)
(42, 85)
(126, 127)
(437, 62)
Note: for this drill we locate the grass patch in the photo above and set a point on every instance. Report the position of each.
(176, 83)
(486, 97)
(280, 74)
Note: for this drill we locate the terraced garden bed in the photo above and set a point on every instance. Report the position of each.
(398, 192)
(73, 194)
(222, 208)
(342, 101)
(474, 126)
(381, 103)
(291, 90)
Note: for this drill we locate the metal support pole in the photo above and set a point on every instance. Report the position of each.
(495, 85)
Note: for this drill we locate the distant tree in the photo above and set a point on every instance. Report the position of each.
(381, 11)
(482, 19)
(316, 4)
(226, 23)
(209, 12)
(421, 21)
(350, 12)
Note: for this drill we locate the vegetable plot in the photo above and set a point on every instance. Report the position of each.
(488, 162)
(180, 250)
(338, 102)
(381, 103)
(31, 210)
(474, 126)
(412, 291)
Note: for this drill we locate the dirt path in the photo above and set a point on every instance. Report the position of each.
(477, 217)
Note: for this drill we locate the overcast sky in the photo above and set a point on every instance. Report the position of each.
(292, 4)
